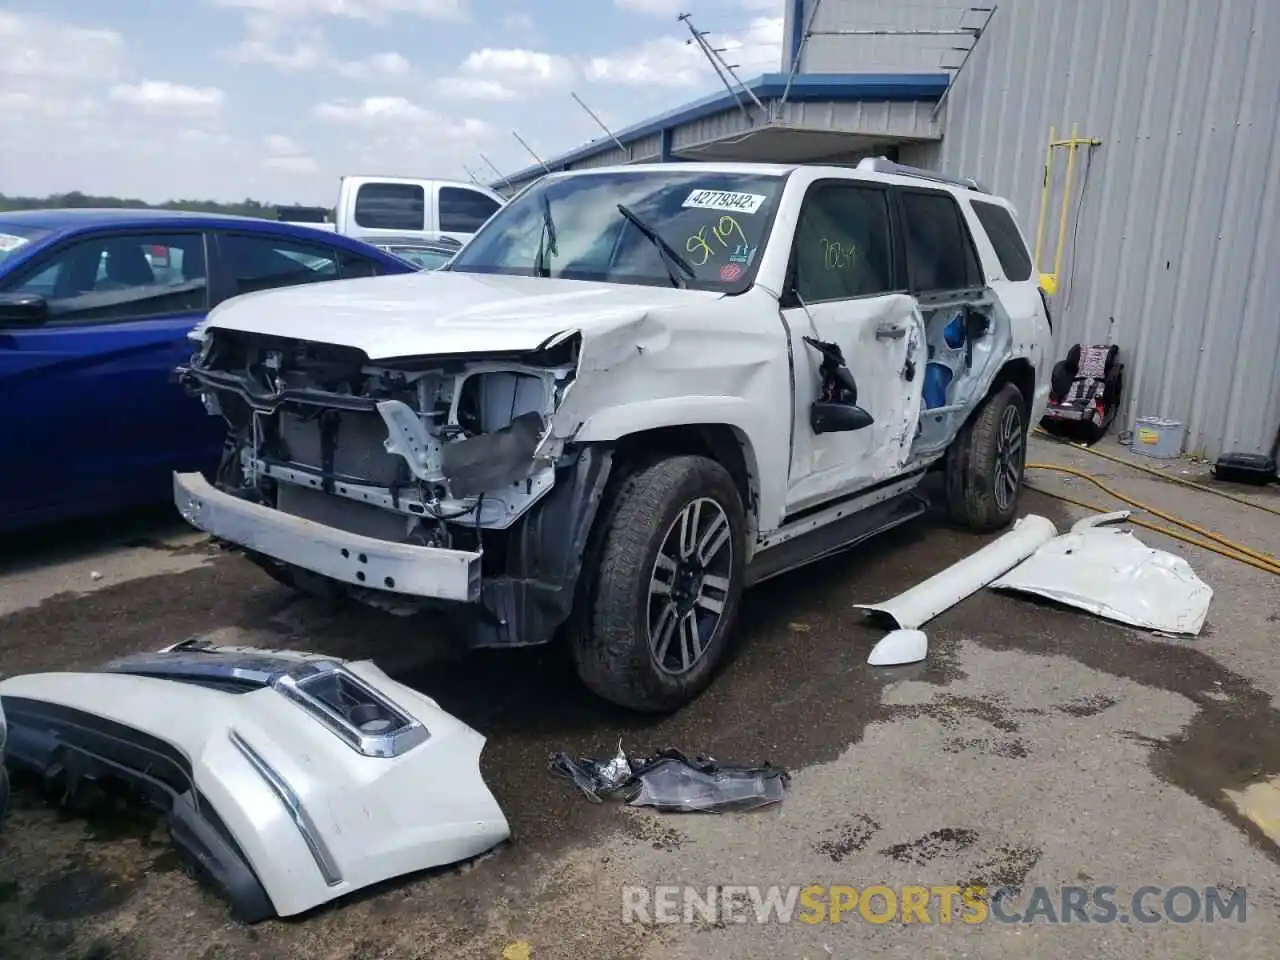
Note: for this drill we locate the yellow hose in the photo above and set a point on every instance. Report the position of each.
(1229, 553)
(1041, 432)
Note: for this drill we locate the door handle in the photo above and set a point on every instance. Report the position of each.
(890, 331)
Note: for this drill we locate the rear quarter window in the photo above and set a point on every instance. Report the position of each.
(1003, 233)
(391, 206)
(940, 255)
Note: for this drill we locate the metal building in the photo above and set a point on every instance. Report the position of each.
(1171, 223)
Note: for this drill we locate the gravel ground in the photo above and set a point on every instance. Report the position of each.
(1036, 746)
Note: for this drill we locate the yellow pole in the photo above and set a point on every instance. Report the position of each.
(1066, 199)
(1044, 198)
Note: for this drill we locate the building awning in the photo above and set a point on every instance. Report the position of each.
(809, 118)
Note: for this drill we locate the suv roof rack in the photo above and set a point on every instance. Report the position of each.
(885, 165)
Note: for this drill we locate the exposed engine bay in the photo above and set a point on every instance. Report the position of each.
(421, 452)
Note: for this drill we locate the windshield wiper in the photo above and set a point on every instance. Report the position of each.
(669, 254)
(547, 242)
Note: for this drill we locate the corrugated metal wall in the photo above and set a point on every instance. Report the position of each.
(1174, 223)
(881, 54)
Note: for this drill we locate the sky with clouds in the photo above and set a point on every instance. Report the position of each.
(275, 99)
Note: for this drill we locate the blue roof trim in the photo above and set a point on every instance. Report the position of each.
(768, 86)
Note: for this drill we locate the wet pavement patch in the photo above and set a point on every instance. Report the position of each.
(1008, 748)
(849, 838)
(1007, 867)
(76, 894)
(1231, 742)
(1086, 706)
(946, 842)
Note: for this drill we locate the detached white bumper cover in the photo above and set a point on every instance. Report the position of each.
(287, 780)
(351, 558)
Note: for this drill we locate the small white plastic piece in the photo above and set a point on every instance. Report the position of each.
(1101, 520)
(898, 647)
(944, 590)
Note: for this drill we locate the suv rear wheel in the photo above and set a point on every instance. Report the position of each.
(663, 594)
(985, 463)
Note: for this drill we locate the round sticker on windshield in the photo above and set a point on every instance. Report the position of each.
(730, 272)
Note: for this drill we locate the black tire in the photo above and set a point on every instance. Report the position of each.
(979, 468)
(610, 640)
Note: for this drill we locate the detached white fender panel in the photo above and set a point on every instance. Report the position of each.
(288, 780)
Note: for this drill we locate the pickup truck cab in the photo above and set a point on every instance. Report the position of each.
(371, 207)
(634, 393)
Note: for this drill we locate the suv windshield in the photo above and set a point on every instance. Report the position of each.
(569, 226)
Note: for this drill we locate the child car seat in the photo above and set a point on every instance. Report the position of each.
(1084, 391)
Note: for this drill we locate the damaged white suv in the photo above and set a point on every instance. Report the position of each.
(635, 392)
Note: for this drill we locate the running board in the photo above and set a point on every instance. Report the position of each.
(834, 538)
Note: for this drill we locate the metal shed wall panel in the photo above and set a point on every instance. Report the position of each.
(1174, 224)
(902, 54)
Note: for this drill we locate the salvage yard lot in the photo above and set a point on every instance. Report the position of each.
(1035, 745)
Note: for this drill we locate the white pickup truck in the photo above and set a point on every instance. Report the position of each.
(636, 391)
(370, 208)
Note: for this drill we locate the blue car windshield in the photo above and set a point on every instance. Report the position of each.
(712, 227)
(13, 237)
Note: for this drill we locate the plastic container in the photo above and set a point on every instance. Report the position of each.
(937, 377)
(1158, 438)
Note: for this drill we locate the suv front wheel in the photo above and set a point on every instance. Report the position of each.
(662, 594)
(985, 463)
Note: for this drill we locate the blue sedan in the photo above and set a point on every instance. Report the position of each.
(95, 307)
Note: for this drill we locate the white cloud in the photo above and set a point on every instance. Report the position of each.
(666, 62)
(671, 62)
(372, 110)
(379, 65)
(653, 8)
(519, 66)
(297, 50)
(471, 88)
(25, 105)
(160, 96)
(376, 11)
(38, 49)
(499, 75)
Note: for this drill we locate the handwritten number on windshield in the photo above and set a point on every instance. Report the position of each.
(699, 245)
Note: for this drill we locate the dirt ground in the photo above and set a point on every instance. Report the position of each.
(1034, 746)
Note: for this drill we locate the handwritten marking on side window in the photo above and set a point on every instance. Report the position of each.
(726, 229)
(836, 255)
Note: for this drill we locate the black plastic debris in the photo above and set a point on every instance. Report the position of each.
(673, 782)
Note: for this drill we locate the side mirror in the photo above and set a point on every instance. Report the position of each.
(832, 416)
(23, 310)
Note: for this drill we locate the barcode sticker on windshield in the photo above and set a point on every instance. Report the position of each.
(723, 200)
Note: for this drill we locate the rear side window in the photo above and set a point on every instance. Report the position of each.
(352, 265)
(391, 206)
(463, 210)
(263, 263)
(940, 255)
(1003, 233)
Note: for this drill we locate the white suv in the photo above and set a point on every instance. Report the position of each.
(635, 392)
